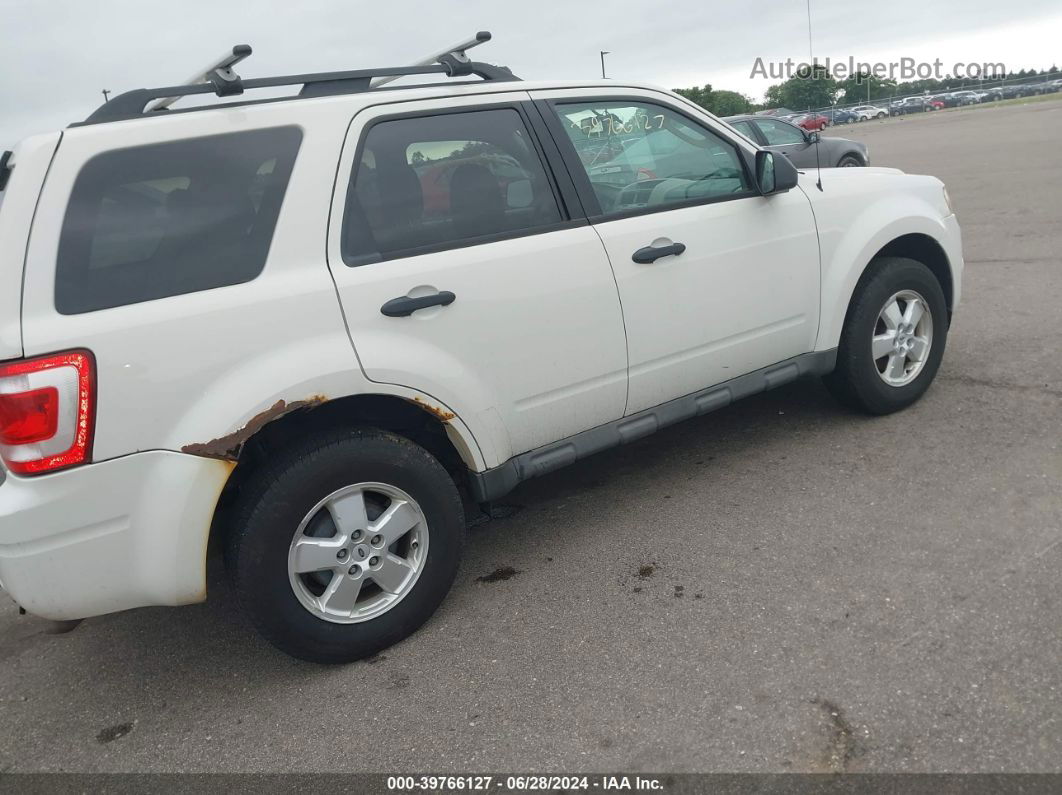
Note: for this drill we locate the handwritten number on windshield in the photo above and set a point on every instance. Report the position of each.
(609, 125)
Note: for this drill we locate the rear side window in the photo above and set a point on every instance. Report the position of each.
(167, 219)
(779, 133)
(432, 182)
(745, 128)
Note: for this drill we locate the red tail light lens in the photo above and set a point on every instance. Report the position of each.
(47, 411)
(27, 417)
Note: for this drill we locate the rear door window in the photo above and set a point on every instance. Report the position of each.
(427, 183)
(166, 219)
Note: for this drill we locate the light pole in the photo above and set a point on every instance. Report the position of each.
(106, 91)
(603, 54)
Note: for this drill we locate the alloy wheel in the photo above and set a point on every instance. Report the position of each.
(358, 553)
(903, 336)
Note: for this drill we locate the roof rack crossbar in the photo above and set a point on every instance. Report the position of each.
(219, 75)
(219, 79)
(455, 57)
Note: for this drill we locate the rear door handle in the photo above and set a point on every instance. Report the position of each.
(644, 256)
(404, 306)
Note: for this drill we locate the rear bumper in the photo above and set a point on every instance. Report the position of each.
(123, 533)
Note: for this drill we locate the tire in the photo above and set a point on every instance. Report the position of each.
(849, 161)
(881, 116)
(858, 381)
(286, 509)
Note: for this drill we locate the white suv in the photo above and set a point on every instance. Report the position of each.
(868, 112)
(314, 329)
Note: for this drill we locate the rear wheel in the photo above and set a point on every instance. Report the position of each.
(345, 545)
(893, 338)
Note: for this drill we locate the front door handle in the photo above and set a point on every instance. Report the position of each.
(644, 256)
(404, 306)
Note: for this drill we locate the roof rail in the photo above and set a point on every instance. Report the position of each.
(220, 79)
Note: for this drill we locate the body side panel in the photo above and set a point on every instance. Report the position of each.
(29, 166)
(532, 348)
(191, 368)
(858, 213)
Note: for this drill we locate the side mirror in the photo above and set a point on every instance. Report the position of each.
(812, 137)
(774, 173)
(765, 172)
(519, 194)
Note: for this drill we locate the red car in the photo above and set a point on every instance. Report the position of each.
(812, 122)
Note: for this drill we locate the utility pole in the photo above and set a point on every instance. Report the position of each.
(603, 54)
(105, 95)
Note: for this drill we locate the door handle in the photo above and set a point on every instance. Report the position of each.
(404, 306)
(644, 256)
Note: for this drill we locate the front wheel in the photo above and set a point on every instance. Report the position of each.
(849, 161)
(345, 544)
(893, 338)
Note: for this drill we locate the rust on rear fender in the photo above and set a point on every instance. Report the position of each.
(227, 447)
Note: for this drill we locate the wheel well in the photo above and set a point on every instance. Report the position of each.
(924, 249)
(421, 424)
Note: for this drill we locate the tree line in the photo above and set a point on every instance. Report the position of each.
(818, 89)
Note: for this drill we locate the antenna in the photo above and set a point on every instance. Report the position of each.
(811, 56)
(453, 57)
(219, 74)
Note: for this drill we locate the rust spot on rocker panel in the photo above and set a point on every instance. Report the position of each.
(436, 411)
(227, 448)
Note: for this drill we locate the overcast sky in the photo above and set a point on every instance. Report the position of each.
(56, 55)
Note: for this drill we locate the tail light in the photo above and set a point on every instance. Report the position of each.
(47, 412)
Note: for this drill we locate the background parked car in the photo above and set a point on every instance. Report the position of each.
(955, 100)
(799, 145)
(866, 112)
(812, 122)
(965, 97)
(839, 116)
(912, 105)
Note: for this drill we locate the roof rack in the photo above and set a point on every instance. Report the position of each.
(220, 75)
(220, 79)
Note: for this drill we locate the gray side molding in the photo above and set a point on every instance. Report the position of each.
(498, 482)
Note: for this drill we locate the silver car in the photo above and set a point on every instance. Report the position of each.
(799, 145)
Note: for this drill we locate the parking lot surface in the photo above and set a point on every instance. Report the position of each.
(779, 586)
